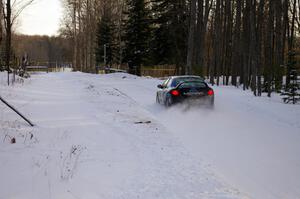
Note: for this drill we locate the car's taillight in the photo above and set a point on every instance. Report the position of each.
(210, 92)
(175, 93)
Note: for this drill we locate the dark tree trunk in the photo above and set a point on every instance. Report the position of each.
(191, 38)
(269, 49)
(236, 57)
(259, 37)
(253, 47)
(202, 21)
(8, 25)
(228, 41)
(217, 41)
(246, 41)
(278, 59)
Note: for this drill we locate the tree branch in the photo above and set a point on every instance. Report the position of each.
(19, 11)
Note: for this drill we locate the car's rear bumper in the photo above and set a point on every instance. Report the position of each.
(197, 101)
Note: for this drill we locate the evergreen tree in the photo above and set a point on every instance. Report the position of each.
(105, 40)
(137, 35)
(292, 90)
(169, 43)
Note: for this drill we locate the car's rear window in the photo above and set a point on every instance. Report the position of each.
(179, 80)
(193, 84)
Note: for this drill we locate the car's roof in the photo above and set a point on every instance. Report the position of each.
(186, 76)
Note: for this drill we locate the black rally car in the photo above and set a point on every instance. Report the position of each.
(188, 89)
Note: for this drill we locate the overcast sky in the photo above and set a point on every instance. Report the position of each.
(42, 18)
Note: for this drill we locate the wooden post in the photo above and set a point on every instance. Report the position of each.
(15, 110)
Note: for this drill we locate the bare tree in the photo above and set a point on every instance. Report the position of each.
(1, 29)
(11, 11)
(80, 23)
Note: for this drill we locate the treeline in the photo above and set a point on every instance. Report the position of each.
(42, 49)
(36, 49)
(253, 43)
(124, 32)
(250, 41)
(83, 22)
(238, 42)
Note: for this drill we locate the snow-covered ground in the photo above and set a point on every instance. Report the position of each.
(103, 136)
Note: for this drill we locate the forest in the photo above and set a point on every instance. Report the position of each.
(252, 44)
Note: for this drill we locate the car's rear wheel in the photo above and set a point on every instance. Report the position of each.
(157, 99)
(168, 102)
(212, 104)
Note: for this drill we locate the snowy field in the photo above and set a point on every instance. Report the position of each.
(103, 136)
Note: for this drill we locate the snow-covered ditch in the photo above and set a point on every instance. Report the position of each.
(103, 136)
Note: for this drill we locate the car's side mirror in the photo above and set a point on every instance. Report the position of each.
(160, 86)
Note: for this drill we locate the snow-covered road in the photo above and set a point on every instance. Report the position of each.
(89, 143)
(94, 139)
